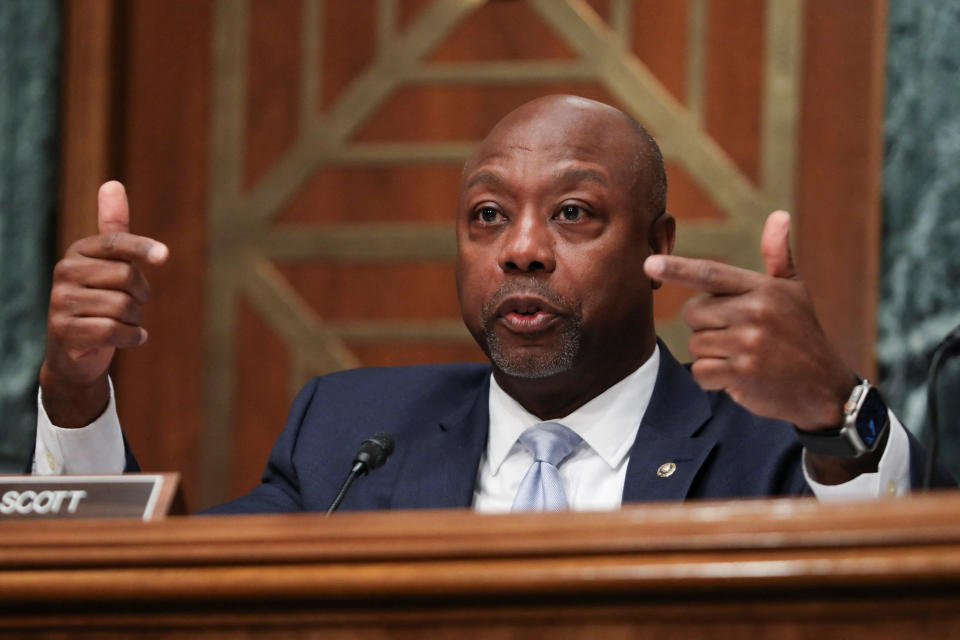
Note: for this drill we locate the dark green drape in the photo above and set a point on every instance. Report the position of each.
(920, 294)
(30, 36)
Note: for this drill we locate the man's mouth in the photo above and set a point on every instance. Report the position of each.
(526, 314)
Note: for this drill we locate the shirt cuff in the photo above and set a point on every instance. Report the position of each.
(95, 448)
(891, 479)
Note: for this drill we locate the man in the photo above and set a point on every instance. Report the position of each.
(562, 237)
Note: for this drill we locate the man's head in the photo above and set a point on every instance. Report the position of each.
(559, 206)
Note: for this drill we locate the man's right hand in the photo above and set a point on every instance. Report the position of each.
(95, 308)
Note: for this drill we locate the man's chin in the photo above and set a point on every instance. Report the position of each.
(532, 364)
(533, 356)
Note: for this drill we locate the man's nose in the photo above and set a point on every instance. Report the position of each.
(527, 247)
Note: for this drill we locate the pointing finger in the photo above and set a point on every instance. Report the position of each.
(775, 246)
(705, 275)
(113, 211)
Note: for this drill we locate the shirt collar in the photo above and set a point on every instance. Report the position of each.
(607, 423)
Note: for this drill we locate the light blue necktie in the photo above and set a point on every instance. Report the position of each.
(541, 488)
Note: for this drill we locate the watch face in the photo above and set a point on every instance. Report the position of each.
(872, 418)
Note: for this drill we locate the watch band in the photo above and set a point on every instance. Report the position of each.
(829, 442)
(865, 420)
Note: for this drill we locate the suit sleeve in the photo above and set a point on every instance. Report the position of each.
(940, 478)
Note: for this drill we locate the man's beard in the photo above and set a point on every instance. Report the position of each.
(534, 365)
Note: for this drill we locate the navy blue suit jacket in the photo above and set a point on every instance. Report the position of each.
(438, 416)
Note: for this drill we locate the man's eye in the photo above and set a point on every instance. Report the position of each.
(488, 214)
(571, 212)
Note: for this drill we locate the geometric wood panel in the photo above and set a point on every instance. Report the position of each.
(301, 153)
(293, 122)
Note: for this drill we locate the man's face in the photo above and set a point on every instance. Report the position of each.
(551, 242)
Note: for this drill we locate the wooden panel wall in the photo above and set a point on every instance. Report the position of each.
(301, 159)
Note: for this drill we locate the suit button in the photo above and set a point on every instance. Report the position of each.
(666, 469)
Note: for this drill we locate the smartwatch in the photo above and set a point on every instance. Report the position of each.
(865, 421)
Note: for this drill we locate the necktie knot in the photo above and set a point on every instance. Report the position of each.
(541, 488)
(549, 442)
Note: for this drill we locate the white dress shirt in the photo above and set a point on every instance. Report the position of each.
(96, 448)
(593, 476)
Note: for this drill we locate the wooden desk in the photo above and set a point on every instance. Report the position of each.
(749, 569)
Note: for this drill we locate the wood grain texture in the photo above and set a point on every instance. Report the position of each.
(349, 40)
(736, 569)
(840, 171)
(92, 35)
(273, 69)
(164, 164)
(376, 194)
(734, 75)
(502, 31)
(260, 356)
(657, 22)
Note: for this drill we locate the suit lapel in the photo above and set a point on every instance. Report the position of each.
(665, 457)
(440, 471)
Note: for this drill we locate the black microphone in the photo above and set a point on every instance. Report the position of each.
(947, 348)
(373, 452)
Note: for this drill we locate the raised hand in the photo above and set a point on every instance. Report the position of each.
(757, 337)
(95, 308)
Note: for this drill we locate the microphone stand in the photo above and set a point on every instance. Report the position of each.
(944, 351)
(358, 470)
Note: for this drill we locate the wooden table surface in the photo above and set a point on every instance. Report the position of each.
(758, 568)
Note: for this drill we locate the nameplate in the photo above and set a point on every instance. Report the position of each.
(132, 495)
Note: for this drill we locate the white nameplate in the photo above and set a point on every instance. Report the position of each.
(132, 495)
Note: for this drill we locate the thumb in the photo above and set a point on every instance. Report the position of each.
(113, 212)
(775, 246)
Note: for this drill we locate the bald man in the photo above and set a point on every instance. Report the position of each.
(563, 237)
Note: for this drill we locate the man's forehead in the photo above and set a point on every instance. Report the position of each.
(559, 161)
(503, 175)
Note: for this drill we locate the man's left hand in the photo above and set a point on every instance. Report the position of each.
(757, 336)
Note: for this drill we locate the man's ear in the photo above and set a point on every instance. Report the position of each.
(663, 233)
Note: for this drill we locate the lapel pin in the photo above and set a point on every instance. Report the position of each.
(666, 469)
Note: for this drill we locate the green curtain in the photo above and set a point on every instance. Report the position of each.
(30, 36)
(920, 283)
